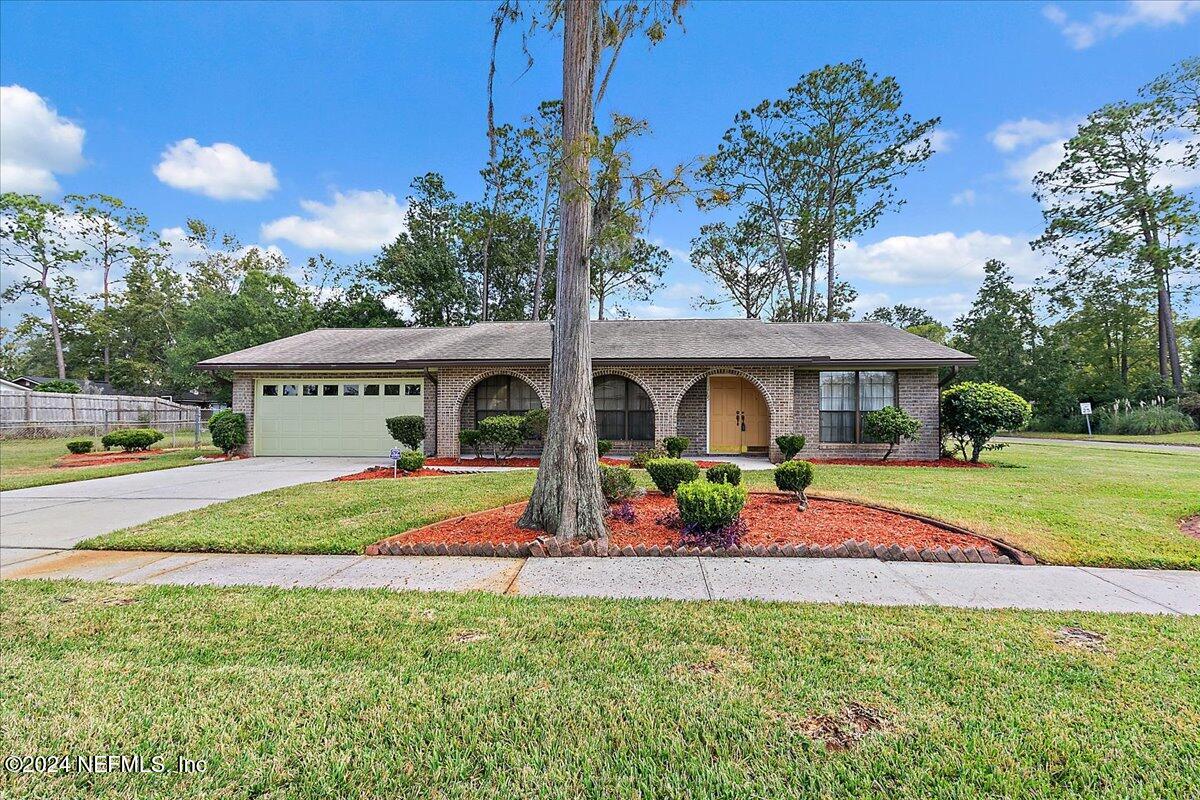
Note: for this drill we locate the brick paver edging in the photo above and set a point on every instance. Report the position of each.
(548, 546)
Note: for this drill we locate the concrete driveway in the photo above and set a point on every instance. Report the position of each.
(59, 516)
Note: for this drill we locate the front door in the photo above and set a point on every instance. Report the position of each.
(738, 421)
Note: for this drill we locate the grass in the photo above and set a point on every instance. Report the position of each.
(1063, 504)
(1190, 438)
(312, 694)
(30, 462)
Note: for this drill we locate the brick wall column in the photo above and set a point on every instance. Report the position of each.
(243, 403)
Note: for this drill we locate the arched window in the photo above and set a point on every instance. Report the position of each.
(503, 394)
(623, 410)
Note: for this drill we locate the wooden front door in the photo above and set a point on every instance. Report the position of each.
(738, 421)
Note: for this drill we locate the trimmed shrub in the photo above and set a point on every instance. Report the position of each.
(131, 439)
(795, 477)
(58, 387)
(724, 473)
(602, 447)
(472, 440)
(407, 430)
(643, 457)
(709, 505)
(669, 473)
(616, 483)
(502, 433)
(675, 445)
(791, 444)
(80, 446)
(972, 413)
(410, 461)
(228, 429)
(535, 422)
(890, 424)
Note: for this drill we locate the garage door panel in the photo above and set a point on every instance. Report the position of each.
(321, 419)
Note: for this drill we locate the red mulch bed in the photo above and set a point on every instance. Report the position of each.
(103, 457)
(771, 518)
(375, 473)
(875, 462)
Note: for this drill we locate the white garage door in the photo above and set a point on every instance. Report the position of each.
(302, 416)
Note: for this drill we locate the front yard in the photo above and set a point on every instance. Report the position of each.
(31, 462)
(311, 694)
(1190, 438)
(1062, 504)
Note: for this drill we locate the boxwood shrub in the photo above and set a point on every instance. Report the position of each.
(724, 473)
(408, 430)
(709, 505)
(472, 440)
(228, 429)
(790, 444)
(603, 446)
(79, 446)
(675, 445)
(643, 457)
(617, 483)
(503, 433)
(669, 473)
(795, 477)
(410, 460)
(131, 439)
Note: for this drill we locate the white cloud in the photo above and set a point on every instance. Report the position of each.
(220, 171)
(1082, 34)
(940, 139)
(937, 258)
(1041, 159)
(964, 198)
(1008, 136)
(35, 142)
(355, 222)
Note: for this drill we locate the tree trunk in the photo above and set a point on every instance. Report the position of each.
(55, 333)
(566, 499)
(783, 261)
(1169, 347)
(543, 237)
(107, 378)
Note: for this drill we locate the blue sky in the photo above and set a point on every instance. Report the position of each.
(327, 112)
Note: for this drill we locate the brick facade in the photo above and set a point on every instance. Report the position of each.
(680, 397)
(918, 395)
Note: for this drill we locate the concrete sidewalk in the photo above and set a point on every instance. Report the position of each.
(781, 579)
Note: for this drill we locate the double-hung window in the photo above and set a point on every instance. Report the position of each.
(846, 396)
(623, 410)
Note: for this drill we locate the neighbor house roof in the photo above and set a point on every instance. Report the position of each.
(736, 341)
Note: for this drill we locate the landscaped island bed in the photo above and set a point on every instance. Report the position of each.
(317, 693)
(773, 521)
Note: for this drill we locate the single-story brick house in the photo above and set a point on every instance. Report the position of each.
(730, 385)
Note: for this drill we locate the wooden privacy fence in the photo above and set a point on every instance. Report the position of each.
(29, 414)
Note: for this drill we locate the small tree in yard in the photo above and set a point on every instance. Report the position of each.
(504, 433)
(891, 424)
(972, 413)
(228, 429)
(795, 477)
(408, 430)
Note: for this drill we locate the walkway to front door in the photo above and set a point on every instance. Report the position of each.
(738, 420)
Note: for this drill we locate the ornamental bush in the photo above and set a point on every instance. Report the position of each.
(972, 413)
(791, 444)
(675, 445)
(407, 430)
(535, 422)
(1149, 421)
(724, 473)
(709, 505)
(472, 440)
(617, 483)
(131, 439)
(795, 477)
(890, 424)
(602, 447)
(643, 457)
(228, 429)
(410, 461)
(58, 387)
(502, 433)
(669, 473)
(80, 446)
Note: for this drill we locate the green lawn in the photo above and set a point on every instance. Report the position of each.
(1191, 438)
(30, 462)
(313, 694)
(1063, 504)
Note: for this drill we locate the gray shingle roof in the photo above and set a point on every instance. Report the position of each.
(673, 340)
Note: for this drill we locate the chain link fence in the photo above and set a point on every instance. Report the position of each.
(47, 415)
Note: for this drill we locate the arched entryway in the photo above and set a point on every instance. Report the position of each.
(738, 418)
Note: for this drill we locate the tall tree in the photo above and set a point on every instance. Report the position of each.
(853, 136)
(33, 238)
(741, 259)
(112, 235)
(625, 266)
(543, 134)
(566, 499)
(1110, 202)
(1000, 329)
(508, 191)
(912, 319)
